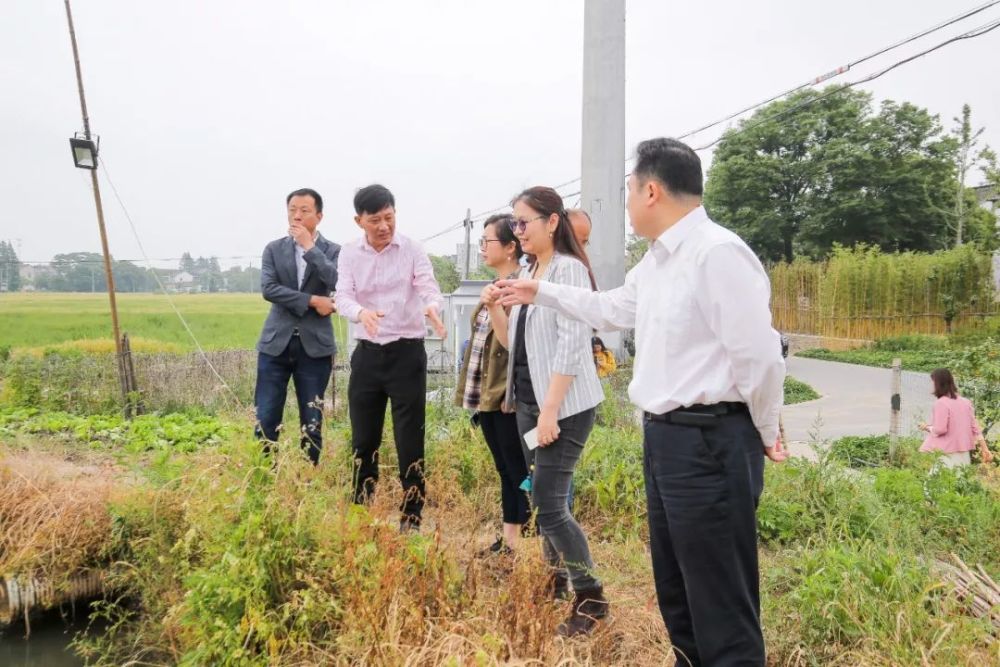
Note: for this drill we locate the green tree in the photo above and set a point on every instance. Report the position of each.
(188, 264)
(980, 223)
(131, 278)
(77, 272)
(10, 268)
(820, 168)
(445, 273)
(483, 273)
(978, 373)
(991, 170)
(209, 274)
(991, 167)
(635, 248)
(239, 279)
(966, 159)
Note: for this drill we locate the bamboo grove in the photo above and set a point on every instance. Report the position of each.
(863, 293)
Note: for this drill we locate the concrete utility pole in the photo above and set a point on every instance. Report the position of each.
(467, 223)
(603, 165)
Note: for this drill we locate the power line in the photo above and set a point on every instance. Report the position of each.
(975, 32)
(824, 77)
(845, 68)
(187, 327)
(443, 232)
(151, 259)
(944, 24)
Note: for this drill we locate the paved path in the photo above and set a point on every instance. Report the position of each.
(854, 401)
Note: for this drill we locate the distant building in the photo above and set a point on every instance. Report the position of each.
(460, 306)
(31, 273)
(996, 274)
(182, 281)
(988, 197)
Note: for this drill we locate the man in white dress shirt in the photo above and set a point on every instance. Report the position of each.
(709, 377)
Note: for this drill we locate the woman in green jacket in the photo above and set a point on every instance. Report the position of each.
(483, 381)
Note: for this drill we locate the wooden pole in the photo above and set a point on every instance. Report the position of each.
(109, 276)
(895, 404)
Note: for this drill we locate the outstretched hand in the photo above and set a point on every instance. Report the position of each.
(517, 292)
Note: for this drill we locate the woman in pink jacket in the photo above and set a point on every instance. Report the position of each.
(953, 430)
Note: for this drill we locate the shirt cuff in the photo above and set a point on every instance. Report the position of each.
(350, 311)
(768, 435)
(571, 369)
(546, 295)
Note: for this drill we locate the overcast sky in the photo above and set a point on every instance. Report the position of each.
(211, 112)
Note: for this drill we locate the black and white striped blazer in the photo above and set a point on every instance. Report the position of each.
(557, 344)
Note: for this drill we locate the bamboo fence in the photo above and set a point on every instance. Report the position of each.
(865, 294)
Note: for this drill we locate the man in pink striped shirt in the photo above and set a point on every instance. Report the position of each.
(386, 288)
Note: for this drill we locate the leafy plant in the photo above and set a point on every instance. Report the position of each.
(797, 391)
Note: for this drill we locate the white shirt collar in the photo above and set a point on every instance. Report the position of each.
(668, 242)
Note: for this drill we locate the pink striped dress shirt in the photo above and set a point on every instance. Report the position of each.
(954, 427)
(399, 281)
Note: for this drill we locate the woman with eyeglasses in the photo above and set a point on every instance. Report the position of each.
(482, 383)
(552, 382)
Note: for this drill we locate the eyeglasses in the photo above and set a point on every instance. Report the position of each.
(517, 226)
(483, 242)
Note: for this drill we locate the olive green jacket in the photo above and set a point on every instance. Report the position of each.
(494, 371)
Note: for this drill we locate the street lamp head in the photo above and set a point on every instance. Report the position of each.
(84, 151)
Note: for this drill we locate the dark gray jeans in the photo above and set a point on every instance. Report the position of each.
(563, 539)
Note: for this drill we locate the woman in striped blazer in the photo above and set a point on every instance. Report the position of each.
(553, 385)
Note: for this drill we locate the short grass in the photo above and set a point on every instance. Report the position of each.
(218, 321)
(916, 353)
(797, 391)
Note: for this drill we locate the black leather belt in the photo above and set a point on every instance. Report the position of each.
(696, 415)
(381, 346)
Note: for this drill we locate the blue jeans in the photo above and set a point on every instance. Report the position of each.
(311, 376)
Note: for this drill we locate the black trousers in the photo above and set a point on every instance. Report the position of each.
(396, 373)
(311, 375)
(702, 488)
(504, 441)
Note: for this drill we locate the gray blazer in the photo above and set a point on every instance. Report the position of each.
(557, 344)
(279, 283)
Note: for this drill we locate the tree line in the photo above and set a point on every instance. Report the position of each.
(801, 177)
(822, 169)
(84, 272)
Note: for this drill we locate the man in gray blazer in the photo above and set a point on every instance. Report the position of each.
(298, 275)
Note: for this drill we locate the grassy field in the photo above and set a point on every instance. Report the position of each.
(219, 321)
(225, 558)
(221, 556)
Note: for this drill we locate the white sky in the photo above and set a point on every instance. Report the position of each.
(211, 112)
